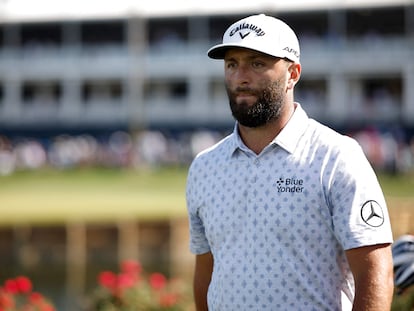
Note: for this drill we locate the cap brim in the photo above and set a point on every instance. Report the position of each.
(219, 51)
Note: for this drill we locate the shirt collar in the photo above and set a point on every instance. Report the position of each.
(237, 143)
(287, 139)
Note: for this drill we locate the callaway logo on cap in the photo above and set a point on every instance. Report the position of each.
(261, 33)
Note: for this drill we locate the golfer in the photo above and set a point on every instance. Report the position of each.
(285, 213)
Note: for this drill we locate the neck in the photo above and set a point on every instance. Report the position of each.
(256, 139)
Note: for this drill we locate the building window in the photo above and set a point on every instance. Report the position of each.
(161, 89)
(50, 242)
(101, 248)
(41, 35)
(382, 98)
(7, 247)
(154, 246)
(308, 26)
(103, 33)
(102, 91)
(167, 33)
(101, 242)
(41, 93)
(375, 22)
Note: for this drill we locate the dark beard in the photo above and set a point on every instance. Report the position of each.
(267, 107)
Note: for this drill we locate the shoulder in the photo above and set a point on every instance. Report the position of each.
(331, 139)
(217, 152)
(208, 159)
(340, 156)
(203, 167)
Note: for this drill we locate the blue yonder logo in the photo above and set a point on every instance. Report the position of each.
(292, 185)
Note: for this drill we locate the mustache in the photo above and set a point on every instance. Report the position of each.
(240, 89)
(243, 90)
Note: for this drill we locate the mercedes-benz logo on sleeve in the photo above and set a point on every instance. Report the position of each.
(372, 214)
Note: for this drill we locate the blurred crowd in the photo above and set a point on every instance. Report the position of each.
(386, 150)
(120, 149)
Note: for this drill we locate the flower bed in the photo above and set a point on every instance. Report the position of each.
(131, 289)
(17, 295)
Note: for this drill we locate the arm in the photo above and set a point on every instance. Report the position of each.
(373, 273)
(202, 278)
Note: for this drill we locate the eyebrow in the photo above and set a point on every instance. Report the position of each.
(263, 57)
(250, 57)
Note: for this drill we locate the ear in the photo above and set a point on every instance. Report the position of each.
(294, 71)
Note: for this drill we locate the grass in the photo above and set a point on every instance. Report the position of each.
(99, 195)
(91, 195)
(398, 186)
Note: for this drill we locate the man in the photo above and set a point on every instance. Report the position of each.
(285, 213)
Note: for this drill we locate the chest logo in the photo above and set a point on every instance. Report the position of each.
(292, 185)
(372, 213)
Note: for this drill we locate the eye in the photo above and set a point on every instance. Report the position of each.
(230, 65)
(258, 64)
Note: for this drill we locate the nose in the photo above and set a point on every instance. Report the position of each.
(242, 75)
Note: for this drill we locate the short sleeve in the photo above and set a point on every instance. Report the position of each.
(359, 211)
(198, 241)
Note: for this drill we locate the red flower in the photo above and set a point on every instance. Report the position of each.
(6, 300)
(131, 267)
(46, 307)
(35, 298)
(11, 286)
(24, 284)
(26, 300)
(125, 280)
(157, 281)
(107, 279)
(168, 300)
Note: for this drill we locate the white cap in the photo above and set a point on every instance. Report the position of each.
(261, 33)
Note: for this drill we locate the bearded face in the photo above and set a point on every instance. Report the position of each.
(267, 107)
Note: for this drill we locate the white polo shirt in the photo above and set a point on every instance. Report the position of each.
(278, 223)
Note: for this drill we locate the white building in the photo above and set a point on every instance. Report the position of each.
(100, 65)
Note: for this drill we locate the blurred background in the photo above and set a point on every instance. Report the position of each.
(103, 104)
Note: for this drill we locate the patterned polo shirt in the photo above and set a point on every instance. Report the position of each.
(278, 223)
